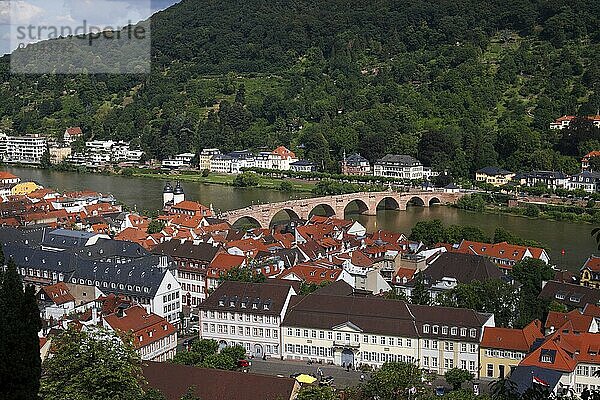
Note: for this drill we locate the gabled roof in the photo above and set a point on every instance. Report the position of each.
(146, 327)
(592, 263)
(311, 273)
(502, 250)
(58, 293)
(284, 152)
(74, 131)
(512, 339)
(5, 175)
(579, 322)
(550, 355)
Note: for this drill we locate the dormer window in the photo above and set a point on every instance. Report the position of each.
(546, 359)
(454, 331)
(444, 330)
(463, 331)
(435, 329)
(254, 306)
(243, 304)
(425, 328)
(473, 333)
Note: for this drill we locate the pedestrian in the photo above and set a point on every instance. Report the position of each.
(362, 377)
(348, 367)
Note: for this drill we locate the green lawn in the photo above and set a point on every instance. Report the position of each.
(220, 179)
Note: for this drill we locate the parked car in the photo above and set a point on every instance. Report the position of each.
(440, 391)
(194, 329)
(243, 363)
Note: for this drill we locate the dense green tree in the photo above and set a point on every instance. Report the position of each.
(199, 350)
(491, 296)
(20, 323)
(393, 381)
(155, 226)
(94, 365)
(456, 377)
(531, 272)
(312, 392)
(246, 179)
(242, 274)
(420, 294)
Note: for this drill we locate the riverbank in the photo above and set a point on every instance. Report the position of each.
(486, 203)
(296, 185)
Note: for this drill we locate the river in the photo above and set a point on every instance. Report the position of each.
(146, 194)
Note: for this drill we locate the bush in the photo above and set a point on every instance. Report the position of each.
(473, 202)
(246, 179)
(286, 186)
(532, 211)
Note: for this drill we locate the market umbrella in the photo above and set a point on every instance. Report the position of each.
(305, 378)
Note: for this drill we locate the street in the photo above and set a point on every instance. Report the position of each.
(341, 377)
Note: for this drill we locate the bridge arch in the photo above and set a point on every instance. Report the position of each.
(434, 201)
(328, 210)
(388, 203)
(291, 215)
(247, 221)
(361, 207)
(417, 201)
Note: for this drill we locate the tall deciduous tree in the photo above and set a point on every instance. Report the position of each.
(20, 322)
(92, 365)
(420, 294)
(394, 381)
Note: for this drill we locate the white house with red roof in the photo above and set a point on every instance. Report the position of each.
(564, 121)
(281, 158)
(72, 134)
(154, 338)
(55, 301)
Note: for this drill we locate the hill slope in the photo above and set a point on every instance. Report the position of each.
(460, 84)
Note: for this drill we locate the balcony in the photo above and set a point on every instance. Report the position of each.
(346, 343)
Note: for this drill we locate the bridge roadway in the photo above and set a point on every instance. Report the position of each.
(336, 205)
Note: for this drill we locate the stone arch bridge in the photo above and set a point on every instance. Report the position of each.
(335, 206)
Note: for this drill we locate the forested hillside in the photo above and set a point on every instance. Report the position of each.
(460, 84)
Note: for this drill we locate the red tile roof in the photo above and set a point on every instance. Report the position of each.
(283, 152)
(227, 261)
(311, 273)
(592, 309)
(502, 250)
(512, 339)
(75, 131)
(578, 321)
(147, 328)
(5, 175)
(194, 206)
(592, 263)
(58, 293)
